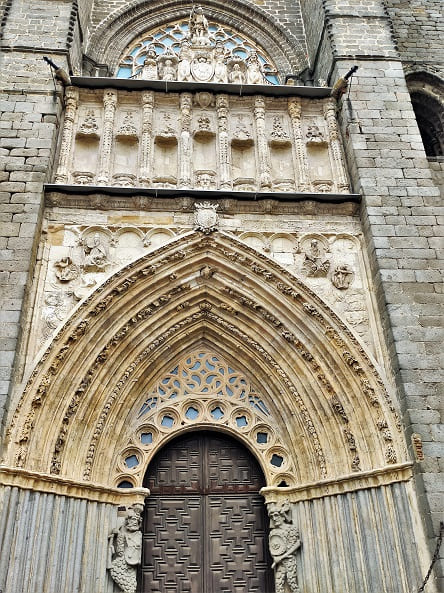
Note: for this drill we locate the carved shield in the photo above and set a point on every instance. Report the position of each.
(202, 71)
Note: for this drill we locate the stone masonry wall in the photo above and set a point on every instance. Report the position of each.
(418, 28)
(29, 118)
(402, 216)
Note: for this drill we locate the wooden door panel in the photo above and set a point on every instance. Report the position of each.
(204, 525)
(236, 552)
(172, 545)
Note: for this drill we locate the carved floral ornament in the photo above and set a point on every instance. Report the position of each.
(154, 316)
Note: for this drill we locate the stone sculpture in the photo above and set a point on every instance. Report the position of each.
(96, 257)
(284, 542)
(315, 263)
(206, 219)
(342, 276)
(125, 551)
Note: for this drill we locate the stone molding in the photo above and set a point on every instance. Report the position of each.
(15, 477)
(41, 482)
(401, 472)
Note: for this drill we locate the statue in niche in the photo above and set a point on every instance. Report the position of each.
(149, 69)
(96, 257)
(236, 75)
(198, 26)
(284, 542)
(315, 264)
(184, 67)
(342, 277)
(254, 69)
(125, 551)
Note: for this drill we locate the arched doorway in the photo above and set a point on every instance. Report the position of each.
(205, 526)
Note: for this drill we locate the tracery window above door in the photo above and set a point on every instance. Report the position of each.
(198, 50)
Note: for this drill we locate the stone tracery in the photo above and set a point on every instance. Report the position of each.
(200, 51)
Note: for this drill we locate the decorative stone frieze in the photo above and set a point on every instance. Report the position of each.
(252, 143)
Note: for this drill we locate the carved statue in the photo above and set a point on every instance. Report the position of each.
(169, 72)
(284, 542)
(198, 26)
(236, 75)
(184, 68)
(342, 276)
(66, 270)
(254, 70)
(220, 67)
(149, 69)
(125, 551)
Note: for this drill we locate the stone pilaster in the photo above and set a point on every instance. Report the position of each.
(146, 143)
(185, 140)
(264, 155)
(295, 110)
(71, 103)
(224, 148)
(109, 104)
(340, 174)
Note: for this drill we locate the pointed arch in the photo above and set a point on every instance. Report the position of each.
(330, 411)
(121, 27)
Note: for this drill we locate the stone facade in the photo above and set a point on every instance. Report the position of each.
(294, 236)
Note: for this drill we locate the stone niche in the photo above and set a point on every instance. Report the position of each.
(201, 140)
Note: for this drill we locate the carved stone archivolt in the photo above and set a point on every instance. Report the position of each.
(201, 140)
(271, 322)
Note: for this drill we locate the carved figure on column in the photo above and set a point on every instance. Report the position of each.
(125, 551)
(284, 542)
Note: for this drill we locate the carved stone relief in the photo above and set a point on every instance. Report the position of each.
(248, 143)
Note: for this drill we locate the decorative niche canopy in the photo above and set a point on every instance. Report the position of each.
(200, 51)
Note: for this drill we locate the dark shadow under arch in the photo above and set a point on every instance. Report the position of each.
(205, 526)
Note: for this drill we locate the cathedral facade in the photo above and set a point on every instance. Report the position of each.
(221, 283)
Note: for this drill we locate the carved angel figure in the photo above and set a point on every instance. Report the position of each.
(125, 551)
(284, 542)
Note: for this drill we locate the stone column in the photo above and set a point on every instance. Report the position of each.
(147, 127)
(185, 141)
(71, 103)
(295, 109)
(339, 174)
(224, 149)
(264, 155)
(109, 103)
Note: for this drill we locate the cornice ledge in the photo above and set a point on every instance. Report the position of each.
(39, 482)
(401, 472)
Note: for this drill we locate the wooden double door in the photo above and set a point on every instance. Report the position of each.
(205, 526)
